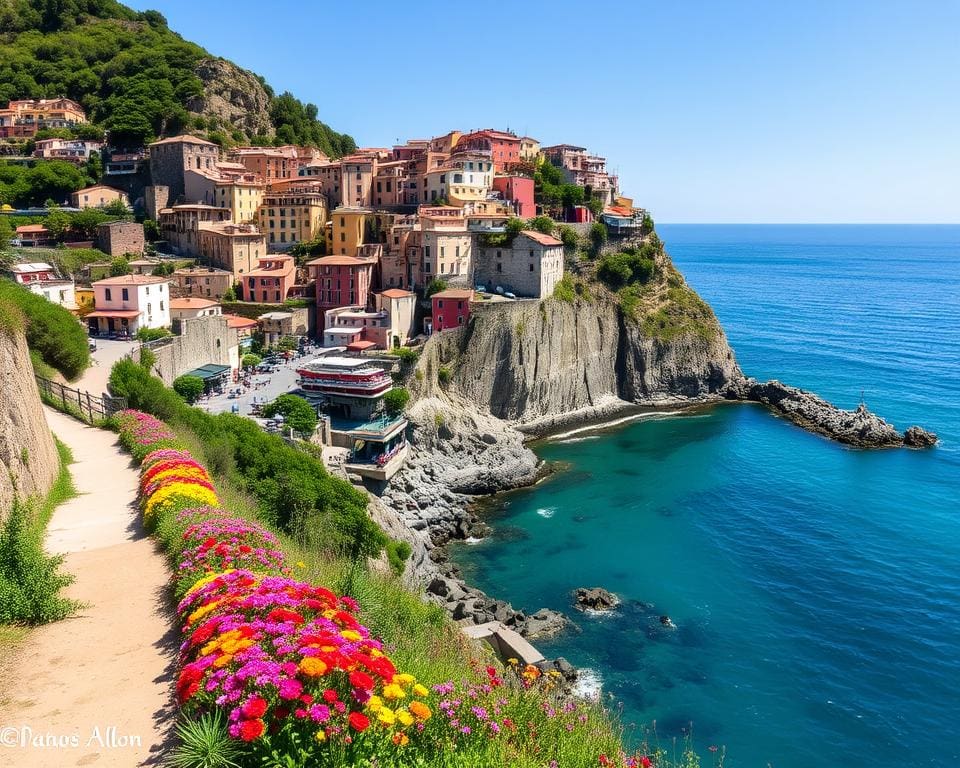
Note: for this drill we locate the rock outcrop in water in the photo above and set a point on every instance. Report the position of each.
(860, 428)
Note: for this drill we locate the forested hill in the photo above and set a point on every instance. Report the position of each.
(139, 80)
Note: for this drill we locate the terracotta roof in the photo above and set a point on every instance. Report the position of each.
(541, 238)
(396, 293)
(453, 293)
(235, 321)
(132, 280)
(100, 186)
(192, 303)
(128, 313)
(338, 261)
(27, 229)
(185, 138)
(359, 346)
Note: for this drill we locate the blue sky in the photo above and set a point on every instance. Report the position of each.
(710, 111)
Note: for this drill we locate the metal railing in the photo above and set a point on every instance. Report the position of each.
(88, 407)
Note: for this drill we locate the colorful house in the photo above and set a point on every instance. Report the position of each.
(271, 281)
(128, 303)
(451, 308)
(519, 191)
(341, 281)
(97, 196)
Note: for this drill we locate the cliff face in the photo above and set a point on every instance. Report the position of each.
(541, 364)
(29, 462)
(235, 97)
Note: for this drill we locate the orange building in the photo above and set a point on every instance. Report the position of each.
(271, 281)
(23, 118)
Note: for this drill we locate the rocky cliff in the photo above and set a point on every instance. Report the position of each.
(29, 462)
(232, 96)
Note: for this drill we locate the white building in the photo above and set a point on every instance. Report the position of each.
(189, 308)
(128, 303)
(530, 267)
(40, 278)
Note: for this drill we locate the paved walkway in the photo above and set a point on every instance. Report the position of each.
(101, 682)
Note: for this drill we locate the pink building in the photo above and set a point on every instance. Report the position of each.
(518, 190)
(341, 281)
(271, 281)
(451, 308)
(504, 148)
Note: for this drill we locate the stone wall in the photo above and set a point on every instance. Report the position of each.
(28, 455)
(304, 318)
(202, 340)
(155, 199)
(120, 237)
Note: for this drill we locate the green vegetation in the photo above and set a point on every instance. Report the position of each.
(30, 579)
(152, 334)
(250, 360)
(56, 336)
(297, 413)
(396, 400)
(119, 266)
(189, 387)
(629, 266)
(568, 235)
(162, 270)
(293, 490)
(47, 180)
(444, 375)
(552, 192)
(398, 552)
(564, 289)
(436, 285)
(543, 224)
(598, 236)
(132, 74)
(406, 355)
(683, 313)
(205, 743)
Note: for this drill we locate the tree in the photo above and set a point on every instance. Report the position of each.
(53, 180)
(571, 195)
(6, 233)
(189, 387)
(595, 204)
(119, 266)
(57, 221)
(85, 222)
(250, 360)
(297, 413)
(568, 235)
(542, 224)
(396, 400)
(230, 294)
(151, 230)
(117, 209)
(94, 167)
(436, 285)
(513, 227)
(598, 236)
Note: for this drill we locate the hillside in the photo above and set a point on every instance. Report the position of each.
(140, 80)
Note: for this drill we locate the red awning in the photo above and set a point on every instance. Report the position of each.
(359, 346)
(127, 313)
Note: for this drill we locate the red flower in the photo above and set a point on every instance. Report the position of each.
(646, 762)
(246, 549)
(254, 708)
(330, 695)
(307, 699)
(359, 721)
(491, 672)
(361, 680)
(251, 729)
(604, 760)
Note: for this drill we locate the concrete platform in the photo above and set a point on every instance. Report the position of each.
(505, 642)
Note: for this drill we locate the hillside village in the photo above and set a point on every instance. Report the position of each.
(207, 254)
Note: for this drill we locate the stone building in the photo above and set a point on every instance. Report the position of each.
(180, 225)
(119, 237)
(529, 267)
(236, 248)
(205, 282)
(171, 158)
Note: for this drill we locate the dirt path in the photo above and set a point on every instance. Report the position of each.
(99, 685)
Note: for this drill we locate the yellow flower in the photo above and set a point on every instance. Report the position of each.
(223, 660)
(405, 718)
(393, 691)
(401, 739)
(301, 564)
(312, 666)
(420, 710)
(386, 716)
(404, 679)
(374, 704)
(420, 690)
(351, 635)
(321, 736)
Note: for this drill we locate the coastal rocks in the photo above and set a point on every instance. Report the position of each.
(595, 599)
(860, 428)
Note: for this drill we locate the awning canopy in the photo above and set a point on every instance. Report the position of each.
(209, 371)
(125, 313)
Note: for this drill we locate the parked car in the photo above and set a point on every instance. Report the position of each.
(93, 345)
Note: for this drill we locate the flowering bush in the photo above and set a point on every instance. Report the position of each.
(141, 433)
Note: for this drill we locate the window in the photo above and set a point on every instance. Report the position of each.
(161, 305)
(149, 309)
(457, 252)
(459, 319)
(126, 294)
(343, 237)
(439, 303)
(499, 267)
(278, 295)
(531, 267)
(442, 249)
(343, 221)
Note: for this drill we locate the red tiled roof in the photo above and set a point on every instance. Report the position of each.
(235, 321)
(28, 229)
(338, 261)
(185, 138)
(541, 238)
(132, 280)
(192, 303)
(359, 346)
(396, 293)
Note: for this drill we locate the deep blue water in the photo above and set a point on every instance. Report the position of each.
(816, 589)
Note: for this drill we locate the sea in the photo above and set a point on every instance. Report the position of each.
(814, 588)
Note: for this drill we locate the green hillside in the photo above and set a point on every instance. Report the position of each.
(133, 75)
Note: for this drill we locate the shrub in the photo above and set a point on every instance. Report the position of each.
(406, 355)
(119, 266)
(564, 289)
(396, 400)
(569, 236)
(297, 413)
(205, 743)
(189, 387)
(398, 552)
(436, 285)
(598, 235)
(443, 375)
(250, 360)
(542, 224)
(152, 334)
(52, 331)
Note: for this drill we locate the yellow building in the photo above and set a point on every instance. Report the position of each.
(242, 196)
(292, 216)
(84, 300)
(353, 227)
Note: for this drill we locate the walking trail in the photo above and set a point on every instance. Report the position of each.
(110, 666)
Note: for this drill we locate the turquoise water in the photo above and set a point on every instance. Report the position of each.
(815, 589)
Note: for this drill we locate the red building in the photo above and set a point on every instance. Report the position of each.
(504, 148)
(342, 281)
(451, 308)
(519, 190)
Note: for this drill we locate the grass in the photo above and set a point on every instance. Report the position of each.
(683, 313)
(30, 579)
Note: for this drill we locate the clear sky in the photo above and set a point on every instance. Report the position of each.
(814, 111)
